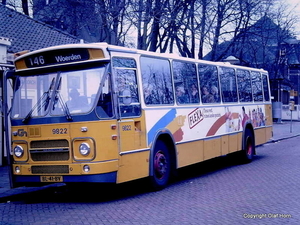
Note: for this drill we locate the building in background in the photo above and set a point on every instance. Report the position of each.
(19, 32)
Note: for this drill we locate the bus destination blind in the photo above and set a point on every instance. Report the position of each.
(60, 56)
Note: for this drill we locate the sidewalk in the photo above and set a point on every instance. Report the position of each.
(281, 131)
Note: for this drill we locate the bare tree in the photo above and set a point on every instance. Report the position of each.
(202, 27)
(190, 27)
(97, 20)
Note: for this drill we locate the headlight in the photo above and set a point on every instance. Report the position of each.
(84, 149)
(17, 169)
(86, 168)
(18, 151)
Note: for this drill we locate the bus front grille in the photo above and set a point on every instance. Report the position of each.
(49, 150)
(49, 144)
(49, 156)
(59, 169)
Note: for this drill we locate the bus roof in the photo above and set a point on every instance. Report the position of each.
(107, 48)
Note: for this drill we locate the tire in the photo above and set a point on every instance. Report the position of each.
(248, 148)
(161, 166)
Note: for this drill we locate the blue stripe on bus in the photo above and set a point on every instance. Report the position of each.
(162, 123)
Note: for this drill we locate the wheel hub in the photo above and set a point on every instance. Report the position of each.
(160, 165)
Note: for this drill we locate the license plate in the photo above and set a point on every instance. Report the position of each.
(51, 179)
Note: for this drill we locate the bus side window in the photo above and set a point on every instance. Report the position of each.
(257, 86)
(157, 81)
(244, 85)
(228, 84)
(209, 83)
(186, 83)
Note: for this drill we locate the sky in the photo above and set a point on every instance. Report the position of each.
(296, 11)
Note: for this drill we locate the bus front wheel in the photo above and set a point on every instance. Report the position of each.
(160, 166)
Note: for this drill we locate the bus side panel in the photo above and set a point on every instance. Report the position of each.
(190, 153)
(212, 148)
(268, 115)
(225, 147)
(268, 133)
(133, 166)
(269, 121)
(240, 141)
(235, 142)
(260, 136)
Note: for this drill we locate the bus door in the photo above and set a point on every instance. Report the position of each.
(129, 110)
(128, 106)
(133, 162)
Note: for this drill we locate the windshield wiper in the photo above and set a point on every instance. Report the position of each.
(61, 101)
(40, 103)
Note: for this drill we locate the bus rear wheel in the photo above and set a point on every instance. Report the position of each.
(249, 147)
(161, 166)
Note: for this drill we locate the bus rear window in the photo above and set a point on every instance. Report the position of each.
(266, 88)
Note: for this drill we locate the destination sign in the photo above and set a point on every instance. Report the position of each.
(57, 57)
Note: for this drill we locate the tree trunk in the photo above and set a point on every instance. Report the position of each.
(202, 29)
(155, 26)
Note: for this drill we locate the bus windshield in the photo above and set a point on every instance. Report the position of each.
(56, 94)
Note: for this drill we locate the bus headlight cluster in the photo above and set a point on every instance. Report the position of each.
(84, 149)
(18, 151)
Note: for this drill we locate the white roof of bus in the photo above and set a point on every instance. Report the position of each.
(114, 48)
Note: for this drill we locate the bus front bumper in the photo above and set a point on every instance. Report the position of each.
(101, 172)
(94, 178)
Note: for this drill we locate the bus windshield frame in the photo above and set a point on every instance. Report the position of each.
(63, 92)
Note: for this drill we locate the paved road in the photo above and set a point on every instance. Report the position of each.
(219, 191)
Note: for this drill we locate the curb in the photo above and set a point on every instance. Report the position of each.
(283, 138)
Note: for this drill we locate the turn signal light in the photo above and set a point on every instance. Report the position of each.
(114, 137)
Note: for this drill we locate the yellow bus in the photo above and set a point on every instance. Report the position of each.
(107, 114)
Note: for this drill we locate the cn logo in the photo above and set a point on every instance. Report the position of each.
(21, 133)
